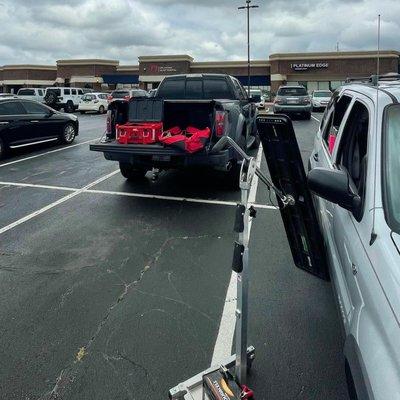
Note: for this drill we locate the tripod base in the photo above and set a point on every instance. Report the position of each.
(192, 389)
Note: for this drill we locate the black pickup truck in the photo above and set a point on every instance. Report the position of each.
(216, 101)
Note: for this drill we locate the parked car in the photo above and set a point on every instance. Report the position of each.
(126, 94)
(66, 98)
(214, 101)
(36, 94)
(8, 95)
(26, 123)
(320, 99)
(87, 90)
(354, 170)
(257, 96)
(93, 102)
(293, 99)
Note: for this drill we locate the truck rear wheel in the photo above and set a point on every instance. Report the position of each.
(131, 172)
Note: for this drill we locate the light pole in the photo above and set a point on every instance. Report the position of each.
(247, 7)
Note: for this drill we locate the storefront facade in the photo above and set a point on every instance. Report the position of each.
(312, 70)
(328, 70)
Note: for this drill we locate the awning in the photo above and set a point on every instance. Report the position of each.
(255, 80)
(114, 79)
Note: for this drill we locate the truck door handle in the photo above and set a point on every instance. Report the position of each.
(4, 123)
(316, 157)
(34, 120)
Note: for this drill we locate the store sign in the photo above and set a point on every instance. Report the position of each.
(161, 69)
(307, 66)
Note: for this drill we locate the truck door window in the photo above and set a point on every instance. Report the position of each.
(352, 154)
(335, 119)
(194, 89)
(173, 89)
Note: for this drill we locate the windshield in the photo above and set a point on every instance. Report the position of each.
(322, 94)
(26, 92)
(292, 91)
(392, 167)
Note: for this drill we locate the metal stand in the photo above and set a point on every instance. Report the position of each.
(192, 389)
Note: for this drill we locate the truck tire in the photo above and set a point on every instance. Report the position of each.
(130, 172)
(69, 107)
(102, 110)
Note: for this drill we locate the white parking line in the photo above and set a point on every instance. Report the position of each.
(223, 344)
(140, 195)
(316, 119)
(34, 185)
(56, 203)
(47, 152)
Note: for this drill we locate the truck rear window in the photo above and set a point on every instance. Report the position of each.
(172, 89)
(192, 89)
(216, 89)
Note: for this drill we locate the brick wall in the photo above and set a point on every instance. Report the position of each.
(66, 71)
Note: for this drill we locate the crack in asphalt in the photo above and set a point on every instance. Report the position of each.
(68, 374)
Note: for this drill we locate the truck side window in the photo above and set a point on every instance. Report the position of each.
(335, 119)
(352, 154)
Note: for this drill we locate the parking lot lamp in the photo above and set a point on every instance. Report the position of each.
(247, 7)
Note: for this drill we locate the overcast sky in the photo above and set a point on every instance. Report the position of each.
(42, 31)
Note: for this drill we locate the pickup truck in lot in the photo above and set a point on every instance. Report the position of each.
(213, 102)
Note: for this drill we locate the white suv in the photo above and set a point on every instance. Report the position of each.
(67, 98)
(354, 174)
(31, 94)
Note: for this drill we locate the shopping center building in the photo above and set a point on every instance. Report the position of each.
(326, 70)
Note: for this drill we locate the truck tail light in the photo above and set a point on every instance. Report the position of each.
(109, 97)
(127, 97)
(220, 120)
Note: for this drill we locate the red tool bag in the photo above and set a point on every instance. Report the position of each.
(196, 139)
(192, 140)
(139, 132)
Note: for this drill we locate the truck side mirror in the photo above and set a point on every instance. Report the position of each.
(334, 186)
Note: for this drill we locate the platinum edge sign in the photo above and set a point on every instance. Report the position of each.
(307, 66)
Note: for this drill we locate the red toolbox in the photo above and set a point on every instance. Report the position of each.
(139, 132)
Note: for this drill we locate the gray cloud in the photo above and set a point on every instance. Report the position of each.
(42, 31)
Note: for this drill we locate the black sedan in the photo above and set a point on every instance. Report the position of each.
(25, 123)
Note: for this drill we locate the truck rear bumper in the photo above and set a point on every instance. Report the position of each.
(160, 156)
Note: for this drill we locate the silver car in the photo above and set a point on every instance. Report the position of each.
(293, 100)
(354, 175)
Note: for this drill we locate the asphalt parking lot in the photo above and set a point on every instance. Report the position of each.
(114, 290)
